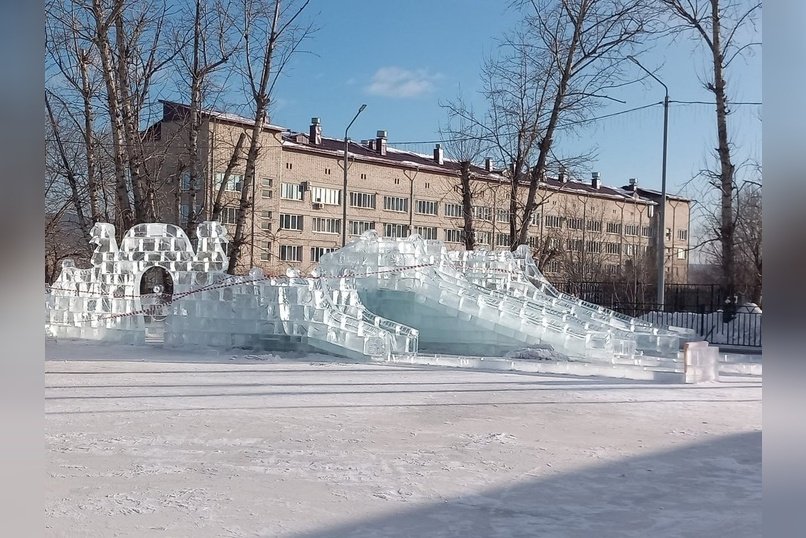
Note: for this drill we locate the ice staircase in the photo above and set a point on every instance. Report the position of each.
(516, 274)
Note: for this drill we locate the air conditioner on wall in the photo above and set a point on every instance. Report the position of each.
(318, 205)
(304, 186)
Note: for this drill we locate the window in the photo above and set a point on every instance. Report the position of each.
(396, 203)
(574, 245)
(290, 222)
(682, 235)
(553, 221)
(317, 252)
(289, 166)
(453, 210)
(323, 195)
(327, 171)
(395, 230)
(646, 231)
(535, 220)
(397, 181)
(483, 238)
(482, 212)
(265, 188)
(502, 240)
(265, 251)
(185, 180)
(631, 229)
(291, 253)
(534, 242)
(265, 220)
(357, 227)
(668, 234)
(502, 215)
(454, 236)
(681, 254)
(593, 246)
(612, 248)
(363, 176)
(234, 183)
(427, 185)
(594, 225)
(229, 215)
(426, 232)
(326, 225)
(613, 227)
(611, 269)
(291, 191)
(554, 243)
(629, 250)
(552, 267)
(362, 199)
(573, 223)
(426, 207)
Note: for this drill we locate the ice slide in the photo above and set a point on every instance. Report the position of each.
(414, 282)
(515, 273)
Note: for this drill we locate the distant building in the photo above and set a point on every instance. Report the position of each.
(583, 230)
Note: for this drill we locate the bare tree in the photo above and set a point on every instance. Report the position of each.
(720, 26)
(464, 144)
(202, 51)
(272, 34)
(549, 74)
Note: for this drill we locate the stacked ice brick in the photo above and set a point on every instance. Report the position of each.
(516, 274)
(209, 307)
(280, 313)
(96, 303)
(414, 282)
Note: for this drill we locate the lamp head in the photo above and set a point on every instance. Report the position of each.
(362, 108)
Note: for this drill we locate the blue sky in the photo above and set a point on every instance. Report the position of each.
(402, 58)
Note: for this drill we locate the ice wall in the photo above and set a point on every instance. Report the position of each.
(205, 305)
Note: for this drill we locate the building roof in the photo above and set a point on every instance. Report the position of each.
(652, 193)
(174, 111)
(399, 157)
(402, 158)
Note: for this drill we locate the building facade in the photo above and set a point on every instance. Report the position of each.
(581, 230)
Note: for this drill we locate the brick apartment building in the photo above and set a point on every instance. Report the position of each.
(582, 229)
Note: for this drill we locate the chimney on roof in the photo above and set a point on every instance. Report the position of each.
(595, 181)
(315, 134)
(439, 156)
(380, 142)
(488, 164)
(633, 183)
(561, 177)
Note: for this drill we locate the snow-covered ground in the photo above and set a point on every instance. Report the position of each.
(150, 442)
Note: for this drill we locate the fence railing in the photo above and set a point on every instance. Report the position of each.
(743, 329)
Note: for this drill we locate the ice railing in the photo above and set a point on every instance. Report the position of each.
(424, 269)
(509, 272)
(207, 306)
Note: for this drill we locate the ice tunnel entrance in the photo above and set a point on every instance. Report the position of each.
(156, 291)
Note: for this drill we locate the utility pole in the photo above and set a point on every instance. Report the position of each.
(344, 190)
(661, 245)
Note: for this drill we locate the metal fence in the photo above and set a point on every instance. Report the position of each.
(743, 329)
(677, 297)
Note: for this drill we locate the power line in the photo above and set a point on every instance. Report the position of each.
(751, 103)
(564, 125)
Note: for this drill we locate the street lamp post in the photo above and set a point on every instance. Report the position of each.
(344, 190)
(661, 245)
